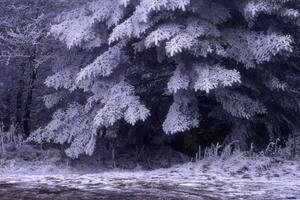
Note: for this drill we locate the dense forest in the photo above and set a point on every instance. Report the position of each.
(177, 73)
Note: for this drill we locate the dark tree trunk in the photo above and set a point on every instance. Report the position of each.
(27, 109)
(19, 96)
(26, 125)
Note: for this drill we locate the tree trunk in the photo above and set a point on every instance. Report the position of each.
(26, 125)
(19, 96)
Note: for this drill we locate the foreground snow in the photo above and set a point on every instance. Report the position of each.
(235, 178)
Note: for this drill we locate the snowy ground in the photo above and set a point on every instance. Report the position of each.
(235, 178)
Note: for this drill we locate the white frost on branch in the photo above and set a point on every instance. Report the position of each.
(212, 77)
(119, 103)
(183, 113)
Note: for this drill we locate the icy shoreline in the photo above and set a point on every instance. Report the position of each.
(234, 178)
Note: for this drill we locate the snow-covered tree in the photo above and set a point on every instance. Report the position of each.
(25, 52)
(232, 53)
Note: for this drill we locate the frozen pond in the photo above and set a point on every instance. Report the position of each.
(143, 185)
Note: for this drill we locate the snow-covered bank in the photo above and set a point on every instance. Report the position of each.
(217, 173)
(32, 159)
(238, 177)
(29, 159)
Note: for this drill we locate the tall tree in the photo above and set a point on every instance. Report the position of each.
(24, 48)
(216, 59)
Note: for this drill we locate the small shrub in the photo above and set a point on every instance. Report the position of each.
(9, 140)
(273, 150)
(292, 148)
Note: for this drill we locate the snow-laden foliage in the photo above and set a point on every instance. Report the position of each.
(77, 25)
(211, 77)
(120, 102)
(239, 105)
(254, 8)
(183, 114)
(53, 99)
(162, 33)
(63, 79)
(187, 38)
(204, 54)
(179, 80)
(104, 64)
(252, 48)
(71, 126)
